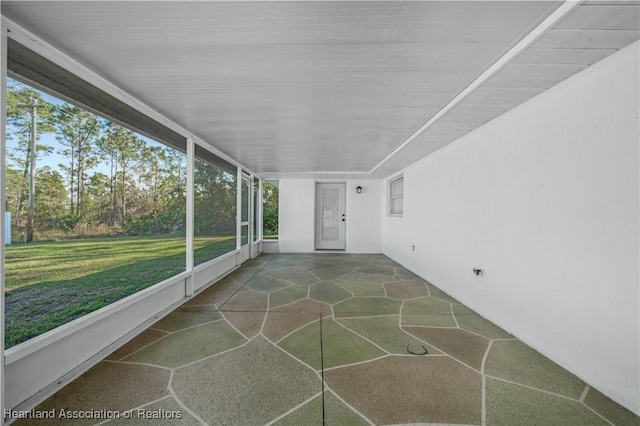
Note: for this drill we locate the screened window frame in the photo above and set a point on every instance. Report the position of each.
(393, 197)
(174, 143)
(275, 184)
(255, 209)
(203, 155)
(245, 221)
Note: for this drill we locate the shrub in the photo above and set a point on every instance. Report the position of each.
(167, 222)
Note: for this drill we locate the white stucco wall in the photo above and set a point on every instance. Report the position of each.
(545, 200)
(364, 217)
(295, 215)
(296, 231)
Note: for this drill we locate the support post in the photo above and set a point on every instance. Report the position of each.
(33, 152)
(238, 210)
(260, 210)
(189, 225)
(3, 151)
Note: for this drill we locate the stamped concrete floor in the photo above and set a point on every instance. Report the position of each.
(394, 349)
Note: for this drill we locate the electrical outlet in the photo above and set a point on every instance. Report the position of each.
(413, 247)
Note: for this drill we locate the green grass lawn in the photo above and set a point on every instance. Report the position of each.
(51, 283)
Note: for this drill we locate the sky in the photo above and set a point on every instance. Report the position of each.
(53, 159)
(49, 139)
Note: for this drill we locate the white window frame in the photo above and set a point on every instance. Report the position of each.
(392, 197)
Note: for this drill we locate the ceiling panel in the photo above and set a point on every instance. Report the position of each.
(587, 39)
(501, 96)
(589, 34)
(526, 82)
(603, 17)
(562, 56)
(540, 70)
(313, 88)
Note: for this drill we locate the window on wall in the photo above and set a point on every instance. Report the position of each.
(270, 210)
(396, 196)
(215, 205)
(97, 212)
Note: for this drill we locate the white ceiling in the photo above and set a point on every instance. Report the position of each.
(328, 89)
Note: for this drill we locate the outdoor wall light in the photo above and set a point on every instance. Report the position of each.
(359, 189)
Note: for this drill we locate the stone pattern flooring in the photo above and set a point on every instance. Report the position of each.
(396, 350)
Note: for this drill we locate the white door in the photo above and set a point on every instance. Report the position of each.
(330, 216)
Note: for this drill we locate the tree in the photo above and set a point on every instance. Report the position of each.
(52, 198)
(129, 157)
(20, 102)
(161, 194)
(214, 200)
(143, 186)
(175, 182)
(98, 200)
(77, 130)
(270, 209)
(154, 158)
(122, 149)
(13, 185)
(108, 151)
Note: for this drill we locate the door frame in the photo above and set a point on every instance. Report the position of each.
(245, 249)
(342, 241)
